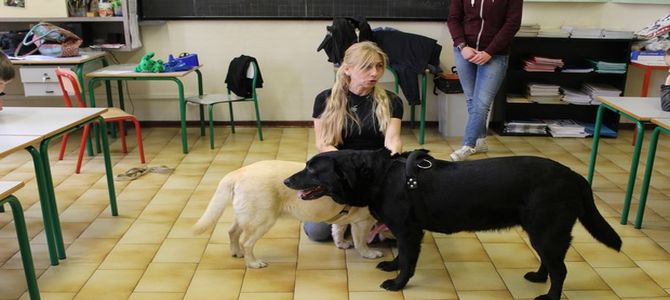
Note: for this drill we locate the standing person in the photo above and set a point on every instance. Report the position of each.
(6, 74)
(482, 31)
(356, 113)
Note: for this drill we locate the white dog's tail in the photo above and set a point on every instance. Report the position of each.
(216, 206)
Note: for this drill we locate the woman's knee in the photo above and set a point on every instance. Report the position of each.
(317, 231)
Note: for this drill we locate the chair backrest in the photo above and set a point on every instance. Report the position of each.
(69, 85)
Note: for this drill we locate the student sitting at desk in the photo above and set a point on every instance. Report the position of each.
(665, 88)
(6, 74)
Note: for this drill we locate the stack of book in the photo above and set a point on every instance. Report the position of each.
(608, 67)
(542, 64)
(553, 33)
(525, 127)
(574, 96)
(528, 30)
(515, 98)
(565, 128)
(617, 34)
(543, 93)
(648, 56)
(599, 89)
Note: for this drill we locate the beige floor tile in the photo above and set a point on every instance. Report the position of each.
(511, 255)
(591, 295)
(499, 236)
(266, 296)
(12, 284)
(430, 284)
(218, 257)
(277, 277)
(474, 276)
(598, 255)
(461, 249)
(110, 284)
(484, 295)
(146, 233)
(643, 248)
(429, 258)
(107, 228)
(129, 257)
(581, 276)
(89, 250)
(215, 284)
(376, 296)
(51, 296)
(277, 250)
(519, 287)
(630, 282)
(166, 277)
(365, 277)
(67, 277)
(180, 251)
(154, 296)
(321, 256)
(313, 284)
(659, 271)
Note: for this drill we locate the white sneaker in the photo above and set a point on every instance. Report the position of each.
(463, 153)
(481, 146)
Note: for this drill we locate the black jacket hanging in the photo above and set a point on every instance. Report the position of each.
(237, 79)
(342, 34)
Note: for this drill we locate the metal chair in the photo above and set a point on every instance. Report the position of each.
(8, 188)
(212, 99)
(69, 84)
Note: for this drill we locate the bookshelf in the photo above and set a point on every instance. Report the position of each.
(571, 50)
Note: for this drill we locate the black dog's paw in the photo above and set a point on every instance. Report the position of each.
(388, 266)
(535, 277)
(391, 285)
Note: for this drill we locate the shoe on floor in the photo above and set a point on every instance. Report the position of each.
(481, 146)
(463, 153)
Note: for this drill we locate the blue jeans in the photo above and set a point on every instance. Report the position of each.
(480, 86)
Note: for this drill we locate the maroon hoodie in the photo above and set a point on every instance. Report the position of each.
(486, 25)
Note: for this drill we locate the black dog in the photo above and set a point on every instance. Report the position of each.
(412, 192)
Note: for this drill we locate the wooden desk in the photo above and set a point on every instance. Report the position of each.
(638, 110)
(662, 125)
(77, 61)
(126, 72)
(647, 67)
(26, 127)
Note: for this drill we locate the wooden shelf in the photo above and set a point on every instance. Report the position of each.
(64, 20)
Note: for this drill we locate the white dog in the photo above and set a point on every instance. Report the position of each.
(259, 196)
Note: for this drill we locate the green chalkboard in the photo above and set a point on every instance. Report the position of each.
(428, 10)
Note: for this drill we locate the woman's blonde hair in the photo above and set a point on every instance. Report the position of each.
(336, 116)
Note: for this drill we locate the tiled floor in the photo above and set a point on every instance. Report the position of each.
(148, 252)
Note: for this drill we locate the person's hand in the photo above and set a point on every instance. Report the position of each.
(480, 58)
(468, 53)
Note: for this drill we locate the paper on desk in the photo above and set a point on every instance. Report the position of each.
(115, 72)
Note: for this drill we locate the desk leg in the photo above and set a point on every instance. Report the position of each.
(182, 115)
(651, 154)
(44, 204)
(635, 161)
(594, 145)
(108, 167)
(55, 219)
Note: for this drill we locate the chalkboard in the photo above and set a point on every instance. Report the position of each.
(428, 10)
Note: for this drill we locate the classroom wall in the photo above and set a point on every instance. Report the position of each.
(294, 72)
(35, 9)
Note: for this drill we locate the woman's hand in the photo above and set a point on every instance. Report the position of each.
(468, 53)
(480, 58)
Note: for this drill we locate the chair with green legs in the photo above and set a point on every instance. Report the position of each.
(252, 76)
(7, 189)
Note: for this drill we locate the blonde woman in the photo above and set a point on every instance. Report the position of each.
(356, 113)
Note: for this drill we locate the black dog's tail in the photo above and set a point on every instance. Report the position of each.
(594, 222)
